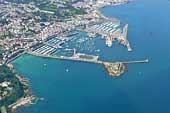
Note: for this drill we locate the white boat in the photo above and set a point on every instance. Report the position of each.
(67, 70)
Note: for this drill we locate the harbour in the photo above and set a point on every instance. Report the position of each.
(142, 89)
(53, 46)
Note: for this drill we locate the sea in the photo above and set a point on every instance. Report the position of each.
(77, 87)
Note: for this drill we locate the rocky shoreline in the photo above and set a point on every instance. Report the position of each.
(27, 98)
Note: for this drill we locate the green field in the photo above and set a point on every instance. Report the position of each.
(51, 8)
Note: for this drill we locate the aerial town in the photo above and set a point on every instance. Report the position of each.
(50, 28)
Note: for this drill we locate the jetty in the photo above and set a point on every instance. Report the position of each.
(113, 68)
(125, 35)
(139, 61)
(91, 59)
(21, 102)
(110, 31)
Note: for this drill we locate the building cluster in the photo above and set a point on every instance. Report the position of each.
(22, 25)
(5, 89)
(92, 4)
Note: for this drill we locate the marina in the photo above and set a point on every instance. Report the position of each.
(45, 50)
(73, 45)
(104, 27)
(111, 31)
(68, 85)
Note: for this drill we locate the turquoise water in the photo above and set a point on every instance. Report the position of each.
(87, 88)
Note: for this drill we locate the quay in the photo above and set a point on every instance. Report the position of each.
(140, 61)
(109, 30)
(14, 56)
(76, 57)
(113, 68)
(22, 101)
(125, 35)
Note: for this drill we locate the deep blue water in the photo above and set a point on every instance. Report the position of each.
(87, 88)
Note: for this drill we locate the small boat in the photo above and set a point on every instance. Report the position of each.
(41, 98)
(140, 73)
(67, 70)
(98, 50)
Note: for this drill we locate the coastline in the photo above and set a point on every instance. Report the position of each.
(98, 9)
(29, 98)
(139, 90)
(113, 5)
